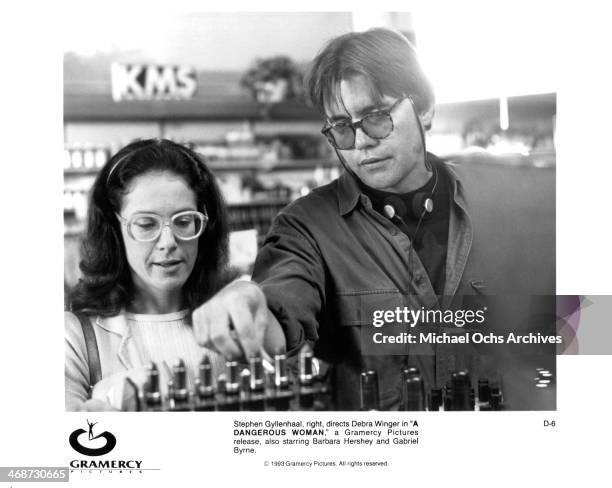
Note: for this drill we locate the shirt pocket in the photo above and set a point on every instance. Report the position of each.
(357, 308)
(479, 287)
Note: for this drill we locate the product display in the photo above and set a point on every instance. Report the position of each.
(281, 384)
(260, 385)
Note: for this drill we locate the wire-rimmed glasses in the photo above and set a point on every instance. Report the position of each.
(377, 124)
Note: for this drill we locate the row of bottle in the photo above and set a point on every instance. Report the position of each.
(85, 158)
(457, 394)
(258, 385)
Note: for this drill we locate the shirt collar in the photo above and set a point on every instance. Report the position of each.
(350, 194)
(117, 324)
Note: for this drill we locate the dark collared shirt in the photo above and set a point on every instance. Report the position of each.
(428, 231)
(330, 260)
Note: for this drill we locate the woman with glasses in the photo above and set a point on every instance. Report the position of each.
(155, 249)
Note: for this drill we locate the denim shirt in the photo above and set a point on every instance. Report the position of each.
(330, 260)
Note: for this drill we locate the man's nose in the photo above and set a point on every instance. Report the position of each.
(167, 239)
(362, 140)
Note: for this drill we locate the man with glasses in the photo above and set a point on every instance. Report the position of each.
(392, 231)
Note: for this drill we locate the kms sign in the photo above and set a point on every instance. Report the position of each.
(152, 82)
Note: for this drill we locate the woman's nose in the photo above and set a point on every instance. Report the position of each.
(166, 238)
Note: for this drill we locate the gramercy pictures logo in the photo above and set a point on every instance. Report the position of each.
(76, 442)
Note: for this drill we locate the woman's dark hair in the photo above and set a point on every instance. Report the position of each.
(106, 286)
(384, 57)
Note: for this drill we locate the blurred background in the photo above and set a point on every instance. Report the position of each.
(229, 85)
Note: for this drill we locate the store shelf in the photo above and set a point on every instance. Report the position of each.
(241, 165)
(103, 109)
(538, 159)
(277, 202)
(265, 166)
(81, 172)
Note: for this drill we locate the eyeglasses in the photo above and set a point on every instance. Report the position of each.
(147, 227)
(377, 125)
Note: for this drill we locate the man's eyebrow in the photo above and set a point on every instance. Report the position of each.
(338, 118)
(362, 112)
(367, 109)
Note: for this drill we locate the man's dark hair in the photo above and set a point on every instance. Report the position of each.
(106, 286)
(384, 57)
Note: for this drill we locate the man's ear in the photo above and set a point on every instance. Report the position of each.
(427, 116)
